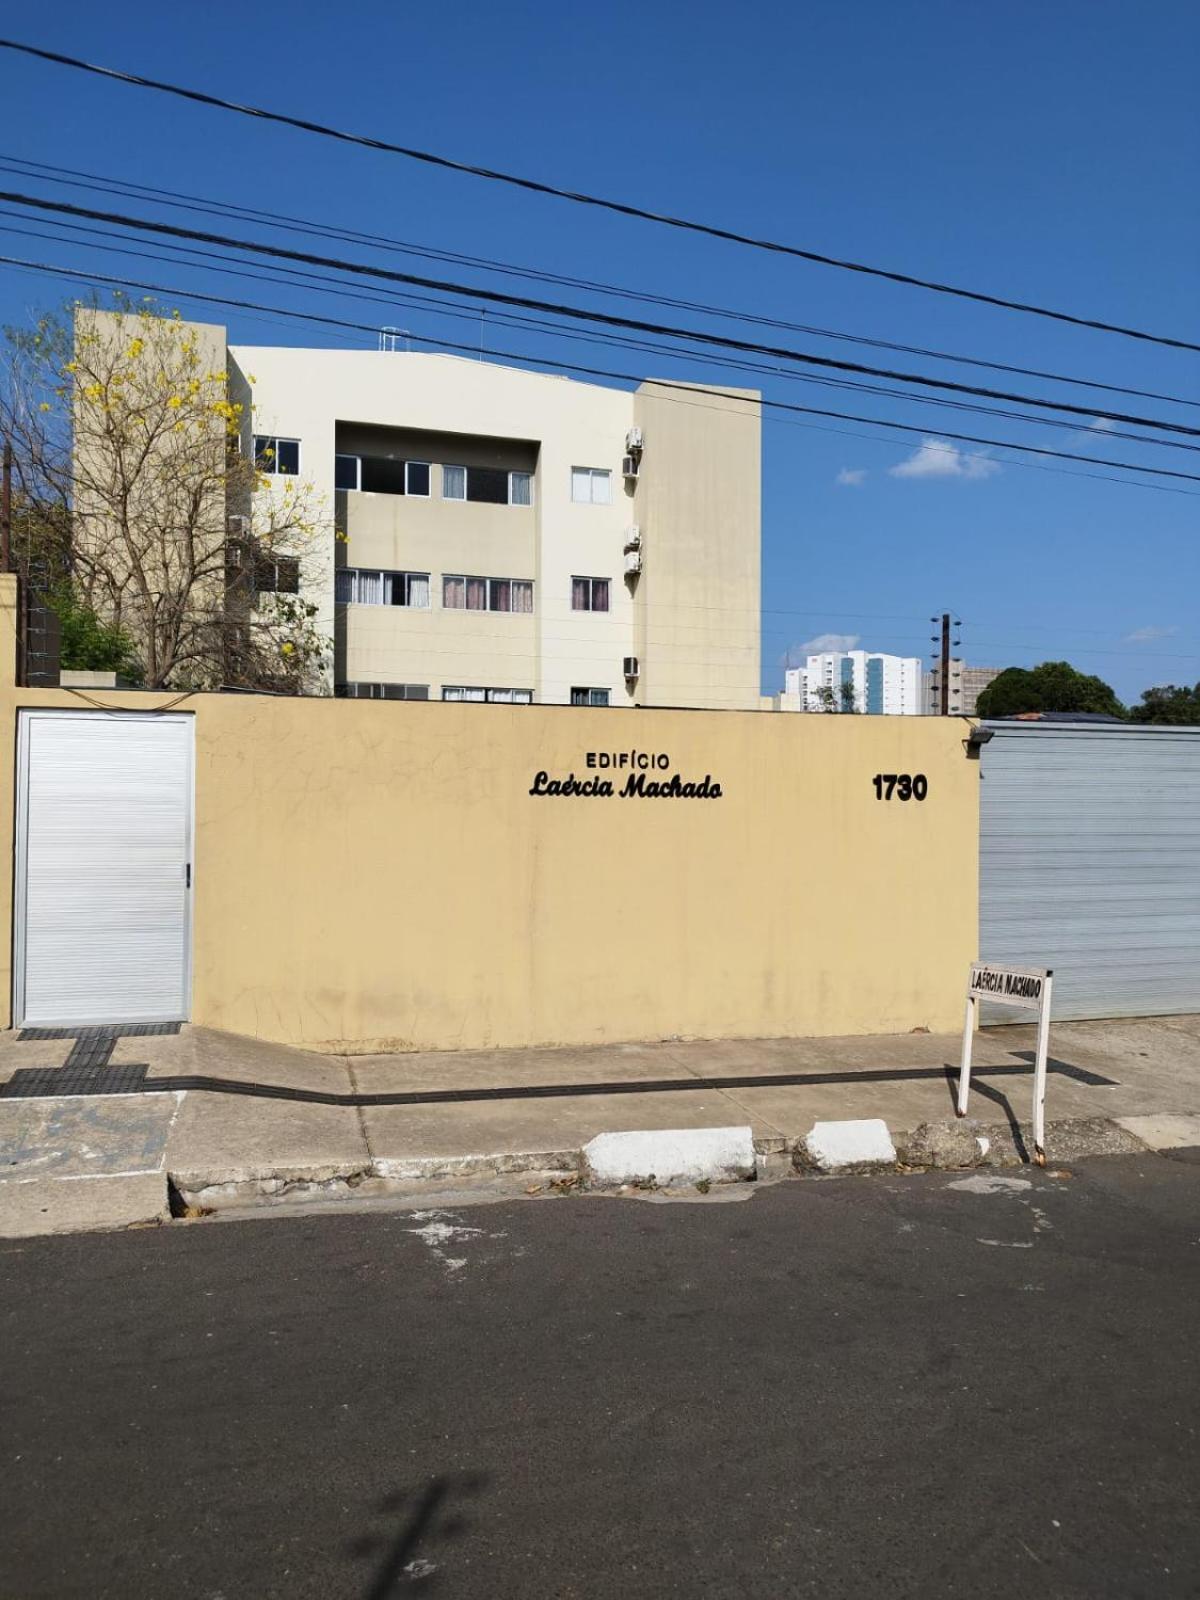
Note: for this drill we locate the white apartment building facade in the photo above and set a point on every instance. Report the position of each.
(517, 537)
(857, 680)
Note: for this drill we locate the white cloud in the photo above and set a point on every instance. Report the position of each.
(825, 642)
(935, 458)
(1148, 635)
(1102, 425)
(851, 477)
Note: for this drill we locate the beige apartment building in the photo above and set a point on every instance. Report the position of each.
(966, 685)
(518, 537)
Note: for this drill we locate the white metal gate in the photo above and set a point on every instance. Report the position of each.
(102, 913)
(1090, 863)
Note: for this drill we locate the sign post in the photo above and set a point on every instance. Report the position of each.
(1028, 989)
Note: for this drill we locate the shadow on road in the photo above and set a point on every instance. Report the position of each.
(429, 1520)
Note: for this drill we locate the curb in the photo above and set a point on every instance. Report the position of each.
(681, 1158)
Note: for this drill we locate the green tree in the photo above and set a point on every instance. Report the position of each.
(1169, 704)
(88, 643)
(135, 468)
(1053, 686)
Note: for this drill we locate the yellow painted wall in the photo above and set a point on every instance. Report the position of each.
(376, 875)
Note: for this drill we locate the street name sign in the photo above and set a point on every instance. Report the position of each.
(1026, 989)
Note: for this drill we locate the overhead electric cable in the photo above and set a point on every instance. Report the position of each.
(579, 197)
(182, 255)
(621, 377)
(577, 313)
(180, 200)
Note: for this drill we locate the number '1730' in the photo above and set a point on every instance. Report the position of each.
(900, 785)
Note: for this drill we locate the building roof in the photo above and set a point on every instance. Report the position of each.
(1061, 716)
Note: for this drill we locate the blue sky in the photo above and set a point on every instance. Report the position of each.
(1046, 153)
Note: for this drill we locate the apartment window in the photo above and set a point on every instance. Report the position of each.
(591, 486)
(492, 486)
(256, 571)
(589, 697)
(589, 594)
(487, 594)
(508, 697)
(520, 488)
(347, 472)
(277, 574)
(382, 691)
(279, 458)
(362, 586)
(387, 475)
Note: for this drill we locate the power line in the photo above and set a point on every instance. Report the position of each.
(626, 377)
(577, 313)
(182, 254)
(621, 208)
(73, 177)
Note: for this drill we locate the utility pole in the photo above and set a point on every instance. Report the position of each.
(943, 656)
(6, 510)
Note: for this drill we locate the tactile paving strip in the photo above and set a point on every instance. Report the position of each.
(34, 1082)
(106, 1030)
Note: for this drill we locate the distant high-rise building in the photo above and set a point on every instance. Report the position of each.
(858, 680)
(966, 685)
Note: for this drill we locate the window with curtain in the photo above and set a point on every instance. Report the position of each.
(508, 697)
(462, 593)
(364, 587)
(520, 488)
(454, 483)
(589, 697)
(589, 594)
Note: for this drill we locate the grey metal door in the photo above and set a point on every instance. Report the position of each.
(1090, 864)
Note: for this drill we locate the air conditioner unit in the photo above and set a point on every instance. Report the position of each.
(635, 439)
(633, 537)
(631, 666)
(629, 466)
(633, 562)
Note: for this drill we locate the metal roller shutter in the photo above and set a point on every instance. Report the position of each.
(1090, 864)
(103, 894)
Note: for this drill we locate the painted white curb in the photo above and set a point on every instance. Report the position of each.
(671, 1155)
(835, 1146)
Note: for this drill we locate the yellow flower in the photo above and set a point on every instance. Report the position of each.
(45, 406)
(136, 347)
(288, 649)
(93, 391)
(71, 366)
(174, 403)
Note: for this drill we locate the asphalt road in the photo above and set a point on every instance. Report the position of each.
(858, 1387)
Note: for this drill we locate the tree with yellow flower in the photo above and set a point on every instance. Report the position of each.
(139, 490)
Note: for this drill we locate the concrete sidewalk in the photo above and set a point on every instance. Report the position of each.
(227, 1120)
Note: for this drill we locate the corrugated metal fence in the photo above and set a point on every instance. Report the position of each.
(1090, 864)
